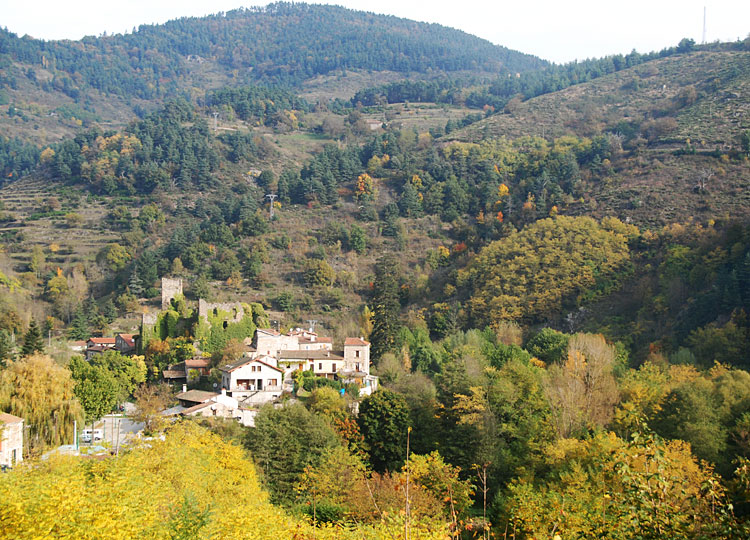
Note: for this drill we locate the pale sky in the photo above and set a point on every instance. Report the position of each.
(552, 29)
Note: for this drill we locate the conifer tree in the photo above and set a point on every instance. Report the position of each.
(385, 306)
(135, 284)
(32, 341)
(79, 326)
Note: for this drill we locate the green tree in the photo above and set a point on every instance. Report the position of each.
(410, 205)
(38, 260)
(7, 349)
(200, 287)
(318, 273)
(385, 306)
(283, 442)
(128, 371)
(95, 388)
(548, 345)
(383, 420)
(114, 256)
(358, 239)
(79, 326)
(32, 340)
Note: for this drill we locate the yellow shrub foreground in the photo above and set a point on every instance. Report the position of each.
(193, 485)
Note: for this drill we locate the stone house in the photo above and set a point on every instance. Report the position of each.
(301, 350)
(11, 439)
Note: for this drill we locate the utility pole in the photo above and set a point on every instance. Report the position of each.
(271, 197)
(312, 323)
(216, 122)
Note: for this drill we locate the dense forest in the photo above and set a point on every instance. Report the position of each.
(551, 265)
(281, 43)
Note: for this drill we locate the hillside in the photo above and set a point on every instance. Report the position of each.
(679, 119)
(280, 43)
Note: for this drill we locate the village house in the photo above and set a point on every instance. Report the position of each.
(122, 343)
(125, 343)
(304, 350)
(210, 404)
(253, 380)
(190, 369)
(96, 345)
(11, 439)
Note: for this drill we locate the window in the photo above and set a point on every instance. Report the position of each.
(271, 382)
(356, 354)
(334, 367)
(320, 366)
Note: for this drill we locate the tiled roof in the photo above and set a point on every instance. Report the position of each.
(7, 418)
(173, 374)
(196, 407)
(196, 396)
(197, 362)
(245, 361)
(102, 340)
(316, 340)
(269, 331)
(356, 341)
(309, 355)
(128, 338)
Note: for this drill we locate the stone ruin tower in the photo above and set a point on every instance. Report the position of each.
(169, 289)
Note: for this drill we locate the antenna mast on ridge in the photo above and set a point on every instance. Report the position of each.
(704, 26)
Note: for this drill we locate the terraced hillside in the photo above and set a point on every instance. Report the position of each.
(68, 225)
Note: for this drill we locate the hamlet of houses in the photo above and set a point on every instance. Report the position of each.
(266, 369)
(261, 375)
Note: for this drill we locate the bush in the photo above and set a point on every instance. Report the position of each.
(318, 274)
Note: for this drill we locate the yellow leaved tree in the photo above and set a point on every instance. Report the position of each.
(190, 485)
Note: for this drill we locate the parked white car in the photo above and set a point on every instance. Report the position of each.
(87, 435)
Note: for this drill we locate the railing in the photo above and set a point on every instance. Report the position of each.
(253, 388)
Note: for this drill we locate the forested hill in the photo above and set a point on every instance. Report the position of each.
(280, 43)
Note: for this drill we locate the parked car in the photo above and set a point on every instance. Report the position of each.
(87, 435)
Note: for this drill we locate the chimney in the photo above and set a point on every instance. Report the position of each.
(184, 388)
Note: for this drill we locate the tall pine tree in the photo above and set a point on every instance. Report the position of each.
(32, 341)
(385, 306)
(79, 326)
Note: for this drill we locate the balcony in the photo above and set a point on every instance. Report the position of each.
(254, 388)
